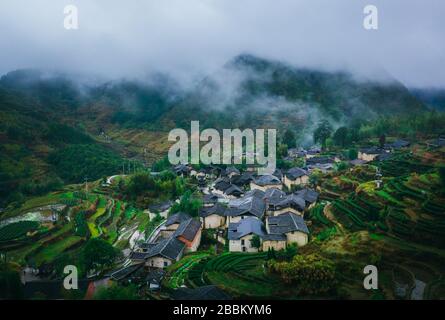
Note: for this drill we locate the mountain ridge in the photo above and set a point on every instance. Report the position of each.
(43, 114)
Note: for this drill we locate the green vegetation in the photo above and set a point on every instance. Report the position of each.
(98, 254)
(317, 215)
(49, 137)
(290, 139)
(81, 226)
(75, 162)
(322, 133)
(188, 204)
(117, 292)
(256, 241)
(145, 189)
(311, 274)
(17, 230)
(53, 250)
(180, 271)
(10, 283)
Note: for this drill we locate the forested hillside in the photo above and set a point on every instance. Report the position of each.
(56, 129)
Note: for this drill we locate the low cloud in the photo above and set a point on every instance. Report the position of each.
(192, 38)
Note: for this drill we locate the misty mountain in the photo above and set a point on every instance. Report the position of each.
(51, 123)
(433, 98)
(246, 92)
(254, 92)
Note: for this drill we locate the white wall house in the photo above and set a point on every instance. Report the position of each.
(295, 177)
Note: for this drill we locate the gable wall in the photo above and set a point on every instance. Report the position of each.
(236, 246)
(298, 237)
(157, 262)
(213, 221)
(303, 180)
(276, 245)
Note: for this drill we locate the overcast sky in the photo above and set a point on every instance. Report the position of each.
(128, 38)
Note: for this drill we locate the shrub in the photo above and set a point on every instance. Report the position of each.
(312, 274)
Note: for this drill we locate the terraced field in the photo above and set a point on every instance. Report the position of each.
(17, 230)
(179, 273)
(87, 215)
(240, 274)
(408, 206)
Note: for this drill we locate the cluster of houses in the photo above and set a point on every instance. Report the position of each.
(366, 155)
(237, 207)
(178, 235)
(271, 215)
(314, 160)
(246, 212)
(249, 213)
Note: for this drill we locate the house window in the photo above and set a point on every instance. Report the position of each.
(242, 242)
(165, 263)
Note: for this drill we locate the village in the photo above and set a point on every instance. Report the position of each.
(241, 225)
(243, 211)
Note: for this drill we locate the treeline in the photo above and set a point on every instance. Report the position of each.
(409, 126)
(75, 162)
(146, 189)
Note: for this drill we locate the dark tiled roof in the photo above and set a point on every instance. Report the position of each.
(182, 168)
(255, 193)
(222, 184)
(295, 173)
(243, 179)
(247, 205)
(155, 276)
(274, 237)
(278, 173)
(138, 255)
(308, 195)
(211, 198)
(439, 142)
(233, 190)
(400, 144)
(273, 196)
(161, 206)
(244, 227)
(217, 209)
(230, 170)
(372, 150)
(145, 245)
(319, 160)
(314, 150)
(125, 271)
(384, 156)
(358, 162)
(286, 222)
(292, 200)
(267, 180)
(202, 293)
(169, 248)
(188, 229)
(177, 218)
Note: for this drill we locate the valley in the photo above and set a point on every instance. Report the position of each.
(85, 181)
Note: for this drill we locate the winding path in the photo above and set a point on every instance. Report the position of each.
(330, 216)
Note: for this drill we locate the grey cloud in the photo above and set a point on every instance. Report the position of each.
(195, 37)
